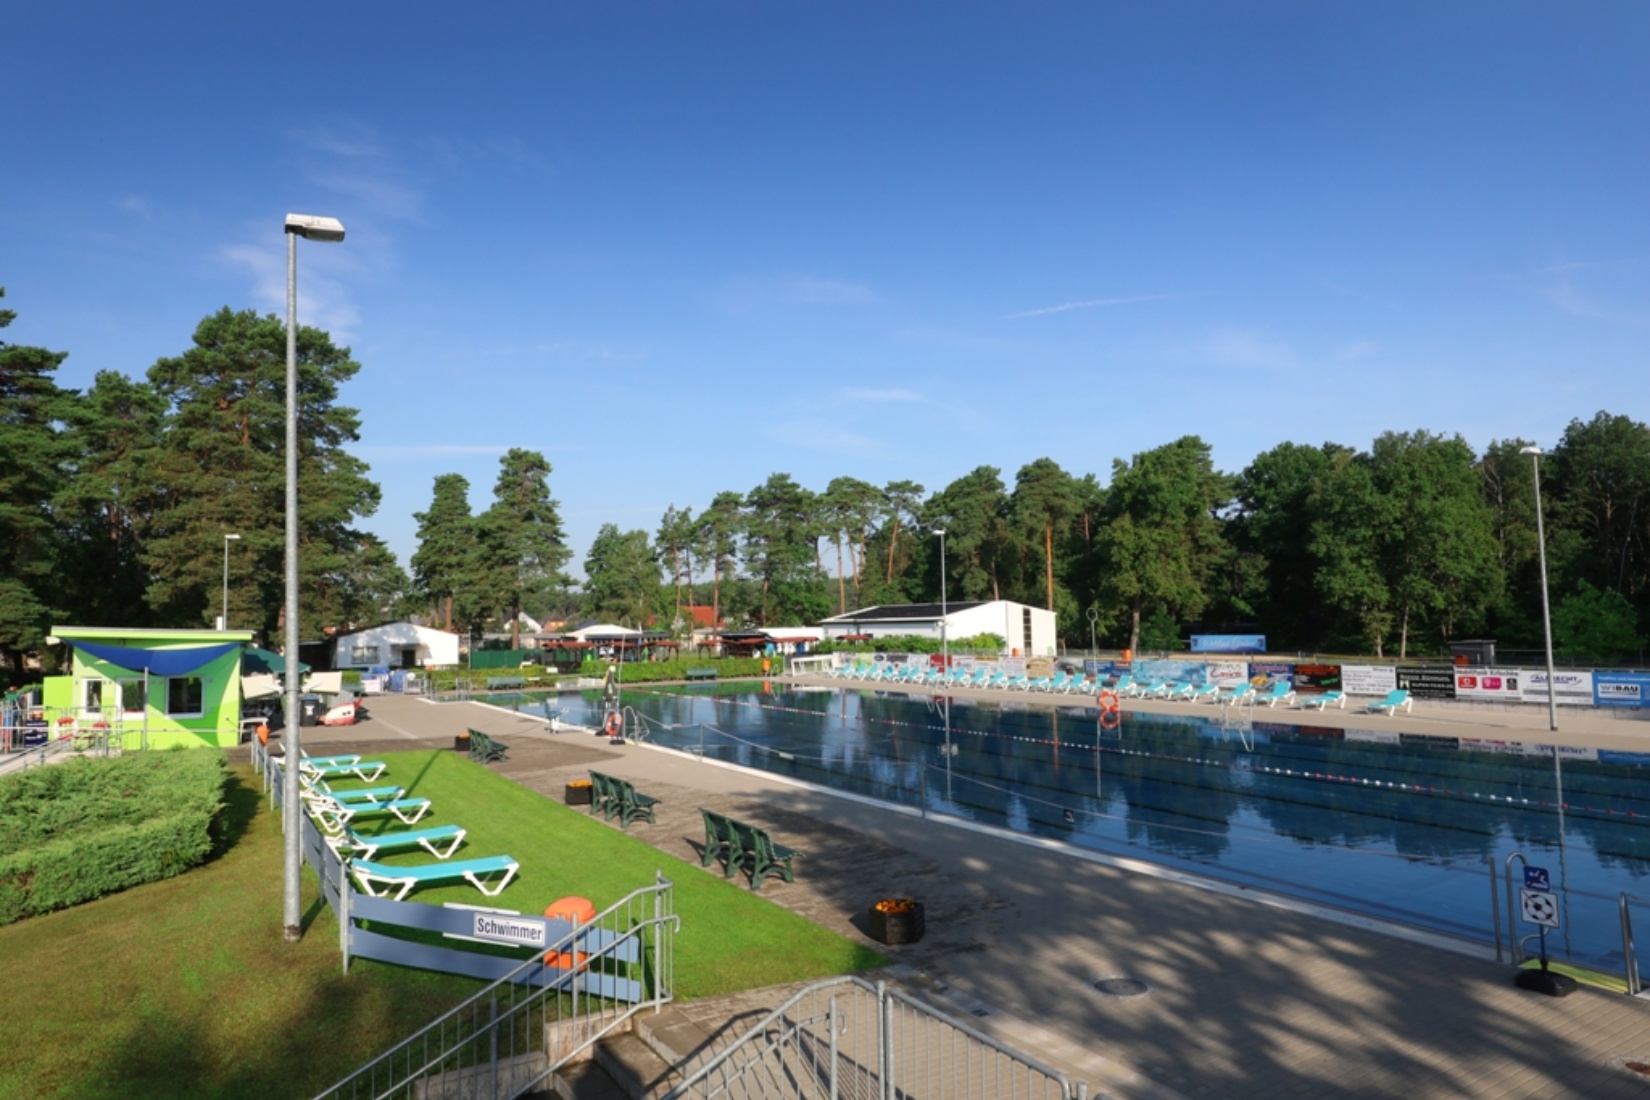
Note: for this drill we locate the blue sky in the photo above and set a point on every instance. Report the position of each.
(680, 246)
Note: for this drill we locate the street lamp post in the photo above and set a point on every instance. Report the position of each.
(1546, 614)
(945, 660)
(223, 624)
(316, 229)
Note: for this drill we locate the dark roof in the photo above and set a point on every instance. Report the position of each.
(900, 612)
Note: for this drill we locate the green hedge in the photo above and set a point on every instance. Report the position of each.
(649, 672)
(80, 830)
(979, 645)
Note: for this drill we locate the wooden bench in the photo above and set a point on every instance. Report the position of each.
(741, 845)
(484, 749)
(700, 674)
(496, 683)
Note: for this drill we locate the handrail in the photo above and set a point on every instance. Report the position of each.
(777, 1031)
(1629, 953)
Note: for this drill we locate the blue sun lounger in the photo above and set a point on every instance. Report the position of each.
(320, 790)
(357, 767)
(489, 875)
(365, 847)
(334, 815)
(1282, 692)
(1327, 699)
(1391, 703)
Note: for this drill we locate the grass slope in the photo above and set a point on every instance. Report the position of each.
(185, 988)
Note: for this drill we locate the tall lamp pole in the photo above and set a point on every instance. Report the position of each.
(224, 622)
(1546, 614)
(945, 639)
(316, 229)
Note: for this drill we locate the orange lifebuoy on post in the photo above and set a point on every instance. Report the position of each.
(614, 725)
(1110, 719)
(1107, 700)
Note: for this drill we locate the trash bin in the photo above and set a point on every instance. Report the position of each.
(310, 714)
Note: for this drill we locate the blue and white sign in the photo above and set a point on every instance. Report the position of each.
(1536, 878)
(1621, 689)
(1228, 643)
(1538, 907)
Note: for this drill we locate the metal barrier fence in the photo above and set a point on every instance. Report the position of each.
(845, 1038)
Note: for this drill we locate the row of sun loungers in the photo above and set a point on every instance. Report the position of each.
(335, 809)
(1124, 687)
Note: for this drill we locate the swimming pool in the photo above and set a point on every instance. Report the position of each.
(1393, 826)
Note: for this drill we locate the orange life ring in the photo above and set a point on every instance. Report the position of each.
(1110, 719)
(614, 724)
(1107, 700)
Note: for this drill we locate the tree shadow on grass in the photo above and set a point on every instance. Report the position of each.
(240, 806)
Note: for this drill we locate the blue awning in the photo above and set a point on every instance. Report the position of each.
(157, 662)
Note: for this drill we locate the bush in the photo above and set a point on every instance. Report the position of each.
(87, 828)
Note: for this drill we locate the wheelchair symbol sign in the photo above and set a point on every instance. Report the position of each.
(1536, 878)
(1538, 907)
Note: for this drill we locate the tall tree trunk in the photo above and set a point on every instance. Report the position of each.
(716, 602)
(859, 567)
(893, 540)
(515, 619)
(1403, 635)
(1134, 629)
(841, 585)
(449, 602)
(1048, 560)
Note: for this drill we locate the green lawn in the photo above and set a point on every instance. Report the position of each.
(185, 989)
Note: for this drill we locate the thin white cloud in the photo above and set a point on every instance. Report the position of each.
(816, 435)
(876, 396)
(744, 295)
(394, 452)
(1091, 303)
(1244, 348)
(322, 300)
(1569, 300)
(1357, 349)
(134, 204)
(382, 194)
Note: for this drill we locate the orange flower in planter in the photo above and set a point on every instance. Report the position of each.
(578, 782)
(895, 905)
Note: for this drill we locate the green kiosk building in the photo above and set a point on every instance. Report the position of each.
(150, 688)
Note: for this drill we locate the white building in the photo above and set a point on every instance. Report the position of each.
(395, 645)
(1029, 631)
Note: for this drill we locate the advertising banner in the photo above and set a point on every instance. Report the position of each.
(1428, 681)
(1368, 679)
(1228, 643)
(1147, 671)
(1621, 689)
(1225, 673)
(1574, 687)
(1487, 684)
(1263, 674)
(1096, 667)
(1318, 677)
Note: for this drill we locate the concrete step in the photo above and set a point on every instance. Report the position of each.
(583, 1081)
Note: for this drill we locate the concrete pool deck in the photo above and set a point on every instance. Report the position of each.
(1248, 998)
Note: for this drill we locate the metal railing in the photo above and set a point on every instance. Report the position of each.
(848, 1038)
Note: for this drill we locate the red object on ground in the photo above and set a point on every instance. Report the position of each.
(581, 912)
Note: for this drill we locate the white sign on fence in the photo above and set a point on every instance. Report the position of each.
(1488, 684)
(493, 928)
(1574, 688)
(1368, 679)
(1226, 673)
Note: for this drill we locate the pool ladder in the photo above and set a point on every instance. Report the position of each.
(1629, 954)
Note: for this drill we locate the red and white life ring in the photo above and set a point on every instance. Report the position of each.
(614, 724)
(1108, 700)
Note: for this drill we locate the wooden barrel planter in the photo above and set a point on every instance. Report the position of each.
(896, 921)
(577, 793)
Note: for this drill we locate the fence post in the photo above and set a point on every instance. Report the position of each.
(343, 912)
(885, 1043)
(831, 1022)
(492, 1040)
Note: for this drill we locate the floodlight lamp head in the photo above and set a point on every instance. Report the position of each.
(940, 531)
(1531, 451)
(314, 227)
(227, 538)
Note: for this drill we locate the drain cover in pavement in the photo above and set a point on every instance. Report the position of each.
(1122, 987)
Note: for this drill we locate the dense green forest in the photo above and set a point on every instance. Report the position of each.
(114, 504)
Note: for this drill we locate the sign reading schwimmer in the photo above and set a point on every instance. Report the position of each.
(495, 928)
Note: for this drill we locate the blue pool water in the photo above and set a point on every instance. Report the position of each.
(1365, 820)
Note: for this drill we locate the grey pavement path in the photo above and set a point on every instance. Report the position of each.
(1248, 999)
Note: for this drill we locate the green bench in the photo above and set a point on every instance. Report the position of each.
(484, 749)
(700, 674)
(613, 798)
(497, 683)
(741, 845)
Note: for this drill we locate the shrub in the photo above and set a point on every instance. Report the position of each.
(87, 828)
